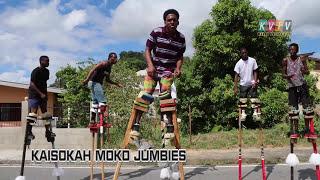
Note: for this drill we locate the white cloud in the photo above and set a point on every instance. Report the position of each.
(135, 19)
(75, 29)
(75, 18)
(36, 29)
(19, 76)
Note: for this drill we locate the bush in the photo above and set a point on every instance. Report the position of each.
(274, 107)
(278, 82)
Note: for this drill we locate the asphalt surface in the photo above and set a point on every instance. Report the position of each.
(250, 172)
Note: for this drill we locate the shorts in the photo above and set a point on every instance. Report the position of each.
(299, 94)
(97, 94)
(248, 92)
(37, 102)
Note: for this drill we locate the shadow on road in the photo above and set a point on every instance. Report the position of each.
(269, 170)
(137, 173)
(98, 176)
(197, 171)
(307, 174)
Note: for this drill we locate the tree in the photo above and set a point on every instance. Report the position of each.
(135, 60)
(77, 97)
(207, 82)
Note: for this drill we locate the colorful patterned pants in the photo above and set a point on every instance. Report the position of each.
(150, 83)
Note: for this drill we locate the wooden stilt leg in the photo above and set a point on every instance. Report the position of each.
(125, 141)
(177, 141)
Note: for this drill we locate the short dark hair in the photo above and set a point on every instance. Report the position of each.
(112, 54)
(242, 48)
(170, 11)
(43, 58)
(294, 44)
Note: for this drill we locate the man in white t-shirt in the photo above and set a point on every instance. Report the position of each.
(247, 70)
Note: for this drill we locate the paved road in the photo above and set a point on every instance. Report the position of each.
(250, 172)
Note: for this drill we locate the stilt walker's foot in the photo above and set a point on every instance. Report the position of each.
(50, 136)
(145, 145)
(311, 136)
(294, 135)
(175, 175)
(135, 135)
(169, 135)
(165, 173)
(255, 105)
(256, 116)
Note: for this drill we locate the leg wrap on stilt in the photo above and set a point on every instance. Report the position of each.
(309, 124)
(32, 119)
(166, 108)
(141, 104)
(294, 120)
(102, 107)
(242, 104)
(165, 95)
(255, 105)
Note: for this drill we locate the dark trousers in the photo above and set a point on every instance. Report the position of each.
(299, 94)
(248, 91)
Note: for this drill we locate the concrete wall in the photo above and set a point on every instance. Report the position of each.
(73, 138)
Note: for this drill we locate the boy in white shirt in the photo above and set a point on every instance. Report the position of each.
(246, 70)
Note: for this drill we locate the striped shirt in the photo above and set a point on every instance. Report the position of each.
(167, 50)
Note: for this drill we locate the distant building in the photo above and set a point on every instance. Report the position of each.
(13, 94)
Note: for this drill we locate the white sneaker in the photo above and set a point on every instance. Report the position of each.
(134, 136)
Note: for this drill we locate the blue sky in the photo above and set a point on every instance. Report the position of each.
(71, 30)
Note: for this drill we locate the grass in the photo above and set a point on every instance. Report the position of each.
(275, 137)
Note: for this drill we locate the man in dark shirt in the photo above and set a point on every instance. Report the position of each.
(37, 92)
(95, 80)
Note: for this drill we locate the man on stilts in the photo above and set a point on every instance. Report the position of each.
(246, 70)
(294, 68)
(167, 46)
(37, 98)
(99, 110)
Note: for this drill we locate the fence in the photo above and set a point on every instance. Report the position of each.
(11, 115)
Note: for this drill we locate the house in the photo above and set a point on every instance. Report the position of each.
(13, 98)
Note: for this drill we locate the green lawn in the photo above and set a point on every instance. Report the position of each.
(275, 137)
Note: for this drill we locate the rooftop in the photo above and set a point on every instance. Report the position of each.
(26, 86)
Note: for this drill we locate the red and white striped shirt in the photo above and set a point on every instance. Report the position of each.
(167, 49)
